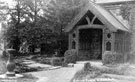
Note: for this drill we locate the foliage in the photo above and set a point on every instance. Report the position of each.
(118, 71)
(112, 57)
(57, 61)
(108, 57)
(3, 11)
(70, 56)
(99, 71)
(22, 68)
(82, 74)
(36, 22)
(127, 11)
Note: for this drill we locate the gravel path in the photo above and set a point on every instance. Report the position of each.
(64, 74)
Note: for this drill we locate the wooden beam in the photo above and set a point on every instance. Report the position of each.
(93, 19)
(117, 3)
(88, 20)
(90, 26)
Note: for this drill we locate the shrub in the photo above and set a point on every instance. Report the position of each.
(111, 71)
(44, 61)
(57, 61)
(108, 57)
(112, 57)
(88, 72)
(131, 57)
(119, 58)
(4, 56)
(70, 56)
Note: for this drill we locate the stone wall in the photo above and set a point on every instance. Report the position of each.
(122, 48)
(123, 44)
(132, 52)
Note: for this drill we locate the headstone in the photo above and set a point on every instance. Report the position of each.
(87, 66)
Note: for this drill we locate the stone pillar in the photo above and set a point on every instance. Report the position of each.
(132, 53)
(10, 66)
(132, 28)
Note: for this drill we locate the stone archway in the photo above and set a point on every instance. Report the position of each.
(90, 43)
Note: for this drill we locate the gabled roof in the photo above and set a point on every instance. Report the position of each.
(104, 15)
(113, 1)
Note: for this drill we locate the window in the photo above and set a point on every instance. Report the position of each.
(109, 35)
(108, 46)
(90, 15)
(74, 35)
(73, 44)
(108, 40)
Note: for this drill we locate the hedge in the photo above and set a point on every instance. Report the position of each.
(70, 56)
(112, 57)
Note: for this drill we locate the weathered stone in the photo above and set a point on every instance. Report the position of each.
(87, 66)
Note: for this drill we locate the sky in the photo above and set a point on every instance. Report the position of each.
(10, 2)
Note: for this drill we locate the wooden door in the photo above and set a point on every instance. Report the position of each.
(96, 44)
(90, 43)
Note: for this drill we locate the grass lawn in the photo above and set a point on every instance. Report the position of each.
(94, 72)
(25, 78)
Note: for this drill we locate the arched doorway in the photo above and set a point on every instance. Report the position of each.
(90, 42)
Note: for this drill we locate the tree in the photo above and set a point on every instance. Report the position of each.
(58, 14)
(128, 13)
(61, 12)
(12, 34)
(3, 8)
(23, 16)
(34, 22)
(125, 11)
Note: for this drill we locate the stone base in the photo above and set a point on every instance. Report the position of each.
(10, 74)
(70, 65)
(4, 76)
